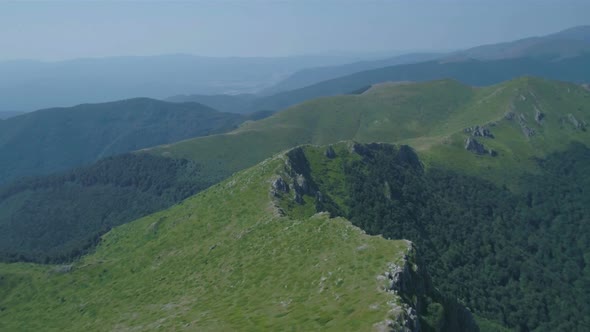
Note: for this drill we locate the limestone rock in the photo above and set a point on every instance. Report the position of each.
(575, 122)
(301, 185)
(482, 132)
(279, 186)
(472, 145)
(539, 116)
(528, 132)
(330, 153)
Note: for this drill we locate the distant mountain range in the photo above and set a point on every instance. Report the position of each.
(567, 43)
(27, 85)
(311, 76)
(562, 56)
(473, 72)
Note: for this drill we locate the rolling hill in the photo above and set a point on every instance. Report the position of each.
(425, 115)
(60, 138)
(432, 117)
(230, 258)
(493, 193)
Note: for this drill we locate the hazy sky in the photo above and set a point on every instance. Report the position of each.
(52, 30)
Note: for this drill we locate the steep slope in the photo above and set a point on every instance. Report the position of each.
(494, 249)
(228, 259)
(57, 139)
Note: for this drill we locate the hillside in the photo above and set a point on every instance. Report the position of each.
(528, 119)
(229, 259)
(425, 115)
(60, 138)
(495, 197)
(277, 237)
(8, 114)
(56, 218)
(494, 249)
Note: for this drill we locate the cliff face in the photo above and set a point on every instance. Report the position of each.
(422, 307)
(416, 304)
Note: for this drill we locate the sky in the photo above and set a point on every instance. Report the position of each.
(51, 30)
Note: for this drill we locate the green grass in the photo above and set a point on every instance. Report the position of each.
(428, 116)
(221, 260)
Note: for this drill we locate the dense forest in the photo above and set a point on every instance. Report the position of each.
(518, 259)
(57, 218)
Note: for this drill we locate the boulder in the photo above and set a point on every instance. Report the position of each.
(279, 186)
(472, 145)
(330, 153)
(539, 116)
(577, 124)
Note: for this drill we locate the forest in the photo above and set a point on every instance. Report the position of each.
(515, 257)
(57, 218)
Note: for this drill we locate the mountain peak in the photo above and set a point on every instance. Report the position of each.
(581, 32)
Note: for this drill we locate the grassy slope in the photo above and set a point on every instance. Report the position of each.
(221, 260)
(428, 116)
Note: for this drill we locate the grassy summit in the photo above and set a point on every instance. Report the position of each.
(224, 259)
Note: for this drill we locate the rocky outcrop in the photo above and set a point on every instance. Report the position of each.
(410, 282)
(296, 179)
(330, 153)
(522, 122)
(472, 145)
(575, 122)
(539, 116)
(478, 131)
(279, 186)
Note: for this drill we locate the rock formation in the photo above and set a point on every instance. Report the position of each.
(478, 131)
(330, 153)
